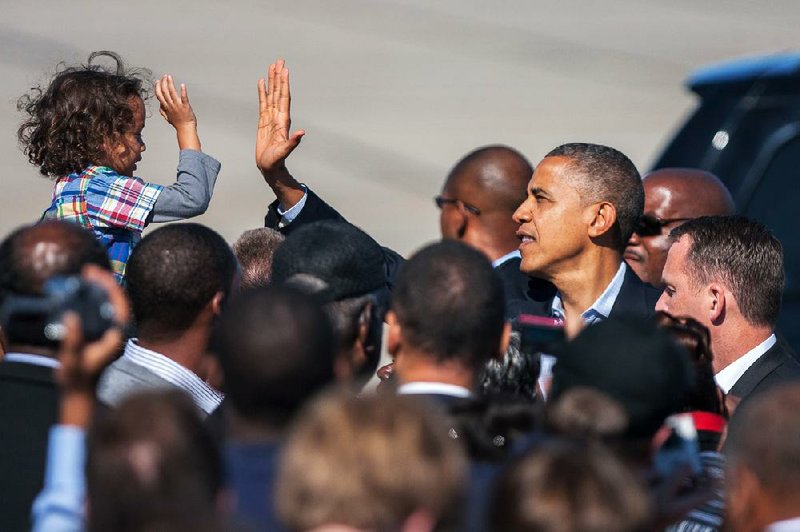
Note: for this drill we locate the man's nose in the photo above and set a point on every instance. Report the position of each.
(661, 305)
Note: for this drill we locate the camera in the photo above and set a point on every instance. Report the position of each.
(37, 320)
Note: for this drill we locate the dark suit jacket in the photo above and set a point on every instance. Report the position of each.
(636, 298)
(777, 366)
(523, 294)
(28, 407)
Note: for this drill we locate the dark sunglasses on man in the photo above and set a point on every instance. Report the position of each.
(441, 201)
(650, 225)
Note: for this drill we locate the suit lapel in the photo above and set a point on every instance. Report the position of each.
(761, 368)
(635, 297)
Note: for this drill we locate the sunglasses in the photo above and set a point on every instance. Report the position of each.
(649, 225)
(441, 201)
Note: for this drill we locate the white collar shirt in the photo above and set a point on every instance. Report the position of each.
(433, 388)
(505, 258)
(204, 396)
(787, 525)
(34, 360)
(727, 378)
(601, 308)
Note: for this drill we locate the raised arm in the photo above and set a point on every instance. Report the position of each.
(274, 142)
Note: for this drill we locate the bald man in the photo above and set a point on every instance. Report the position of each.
(671, 197)
(29, 256)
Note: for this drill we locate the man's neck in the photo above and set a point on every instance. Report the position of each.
(418, 366)
(734, 339)
(187, 349)
(585, 280)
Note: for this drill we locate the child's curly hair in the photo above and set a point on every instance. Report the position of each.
(69, 122)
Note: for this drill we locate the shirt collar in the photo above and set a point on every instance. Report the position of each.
(728, 377)
(601, 308)
(204, 396)
(433, 388)
(34, 360)
(787, 525)
(505, 258)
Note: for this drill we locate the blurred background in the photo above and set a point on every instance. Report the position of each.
(390, 93)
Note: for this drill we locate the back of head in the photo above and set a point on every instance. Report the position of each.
(743, 255)
(345, 270)
(633, 362)
(368, 463)
(499, 174)
(31, 255)
(255, 250)
(69, 121)
(173, 273)
(692, 192)
(568, 487)
(763, 437)
(601, 173)
(450, 304)
(276, 349)
(152, 465)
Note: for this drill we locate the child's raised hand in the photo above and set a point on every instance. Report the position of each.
(177, 110)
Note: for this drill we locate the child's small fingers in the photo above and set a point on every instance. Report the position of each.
(184, 94)
(165, 91)
(172, 92)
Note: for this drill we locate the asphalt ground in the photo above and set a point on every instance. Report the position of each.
(391, 93)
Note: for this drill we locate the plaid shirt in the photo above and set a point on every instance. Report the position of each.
(113, 206)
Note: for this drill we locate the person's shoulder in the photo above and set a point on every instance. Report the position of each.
(635, 296)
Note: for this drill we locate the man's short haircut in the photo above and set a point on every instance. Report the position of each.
(450, 303)
(500, 171)
(277, 350)
(763, 437)
(368, 463)
(743, 255)
(255, 250)
(24, 270)
(173, 274)
(153, 465)
(569, 486)
(605, 174)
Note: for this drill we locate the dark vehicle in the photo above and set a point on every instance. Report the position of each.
(746, 130)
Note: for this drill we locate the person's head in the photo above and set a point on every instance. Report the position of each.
(566, 486)
(514, 374)
(581, 197)
(254, 250)
(763, 459)
(32, 254)
(672, 196)
(634, 363)
(152, 465)
(344, 268)
(447, 309)
(480, 194)
(277, 350)
(370, 464)
(87, 115)
(586, 413)
(724, 271)
(177, 274)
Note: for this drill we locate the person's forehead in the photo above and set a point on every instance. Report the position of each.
(668, 197)
(553, 174)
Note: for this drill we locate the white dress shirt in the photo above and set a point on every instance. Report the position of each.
(727, 378)
(787, 525)
(437, 388)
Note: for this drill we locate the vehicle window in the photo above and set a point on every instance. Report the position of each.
(774, 201)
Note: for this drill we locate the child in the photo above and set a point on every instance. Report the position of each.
(85, 130)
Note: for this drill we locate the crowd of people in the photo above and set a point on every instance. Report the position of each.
(584, 350)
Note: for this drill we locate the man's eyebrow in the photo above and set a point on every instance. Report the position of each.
(538, 190)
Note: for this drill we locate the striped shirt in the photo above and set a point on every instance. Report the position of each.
(204, 396)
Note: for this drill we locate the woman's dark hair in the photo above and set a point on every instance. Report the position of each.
(69, 121)
(695, 339)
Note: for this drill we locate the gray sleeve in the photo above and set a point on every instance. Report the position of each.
(191, 193)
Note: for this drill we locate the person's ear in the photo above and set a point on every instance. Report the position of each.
(603, 216)
(716, 297)
(394, 333)
(216, 303)
(505, 339)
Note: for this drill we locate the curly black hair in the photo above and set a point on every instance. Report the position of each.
(69, 121)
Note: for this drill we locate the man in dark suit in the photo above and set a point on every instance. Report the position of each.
(477, 200)
(727, 273)
(441, 343)
(584, 201)
(29, 256)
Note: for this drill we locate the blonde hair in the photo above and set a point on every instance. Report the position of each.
(367, 463)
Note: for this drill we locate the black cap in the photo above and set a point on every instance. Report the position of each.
(633, 362)
(344, 257)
